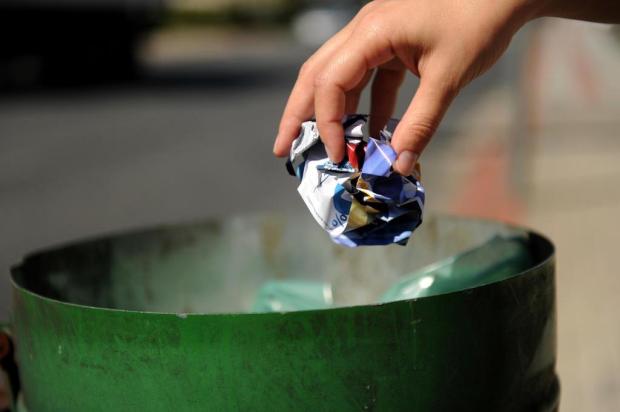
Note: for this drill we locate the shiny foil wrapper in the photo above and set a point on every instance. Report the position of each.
(360, 201)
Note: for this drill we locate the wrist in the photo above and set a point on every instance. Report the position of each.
(524, 11)
(602, 11)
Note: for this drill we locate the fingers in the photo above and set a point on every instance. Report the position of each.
(330, 92)
(383, 98)
(300, 105)
(329, 107)
(342, 75)
(353, 96)
(298, 109)
(423, 115)
(331, 82)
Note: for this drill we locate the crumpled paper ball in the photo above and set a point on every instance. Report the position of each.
(360, 201)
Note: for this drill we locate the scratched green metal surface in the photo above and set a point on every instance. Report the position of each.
(486, 348)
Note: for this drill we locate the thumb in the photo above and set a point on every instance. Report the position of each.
(422, 118)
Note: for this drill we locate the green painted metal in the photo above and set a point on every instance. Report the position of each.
(157, 321)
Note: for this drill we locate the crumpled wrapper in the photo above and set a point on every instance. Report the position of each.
(360, 201)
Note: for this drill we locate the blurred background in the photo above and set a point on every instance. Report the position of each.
(126, 113)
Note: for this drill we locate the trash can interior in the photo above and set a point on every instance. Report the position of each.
(225, 266)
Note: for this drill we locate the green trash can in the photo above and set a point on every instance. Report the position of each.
(163, 319)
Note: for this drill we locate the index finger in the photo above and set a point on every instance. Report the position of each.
(348, 67)
(299, 106)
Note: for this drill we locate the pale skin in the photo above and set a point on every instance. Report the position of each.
(446, 43)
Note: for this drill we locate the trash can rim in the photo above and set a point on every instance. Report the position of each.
(16, 270)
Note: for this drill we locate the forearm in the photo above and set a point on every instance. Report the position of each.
(601, 11)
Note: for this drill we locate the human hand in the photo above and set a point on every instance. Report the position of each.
(446, 43)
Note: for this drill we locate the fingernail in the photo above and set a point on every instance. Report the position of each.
(405, 163)
(275, 148)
